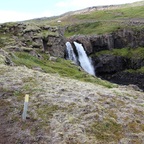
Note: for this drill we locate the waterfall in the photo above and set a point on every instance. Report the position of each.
(85, 62)
(82, 58)
(70, 53)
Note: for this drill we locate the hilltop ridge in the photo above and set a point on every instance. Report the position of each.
(88, 10)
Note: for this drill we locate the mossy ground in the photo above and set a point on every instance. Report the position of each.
(93, 28)
(107, 130)
(135, 53)
(63, 67)
(64, 110)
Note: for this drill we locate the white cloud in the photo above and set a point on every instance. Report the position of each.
(78, 4)
(61, 4)
(61, 7)
(9, 16)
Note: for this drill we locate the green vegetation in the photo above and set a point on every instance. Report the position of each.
(113, 14)
(10, 24)
(31, 27)
(4, 103)
(6, 39)
(100, 22)
(140, 70)
(46, 33)
(62, 67)
(106, 131)
(91, 28)
(46, 111)
(97, 21)
(2, 60)
(135, 127)
(136, 53)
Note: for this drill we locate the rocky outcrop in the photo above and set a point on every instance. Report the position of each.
(126, 78)
(55, 45)
(47, 38)
(112, 67)
(119, 39)
(109, 64)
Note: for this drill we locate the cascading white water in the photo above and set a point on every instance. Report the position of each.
(84, 60)
(71, 55)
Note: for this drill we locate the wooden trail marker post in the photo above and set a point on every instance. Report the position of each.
(25, 107)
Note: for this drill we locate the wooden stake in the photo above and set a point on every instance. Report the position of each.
(25, 107)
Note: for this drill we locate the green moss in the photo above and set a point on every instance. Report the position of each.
(10, 24)
(106, 130)
(140, 70)
(31, 27)
(19, 95)
(6, 39)
(121, 12)
(62, 67)
(136, 53)
(112, 113)
(4, 103)
(29, 43)
(135, 127)
(141, 105)
(46, 111)
(118, 52)
(88, 28)
(1, 42)
(2, 61)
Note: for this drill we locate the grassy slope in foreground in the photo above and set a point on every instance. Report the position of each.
(60, 66)
(63, 110)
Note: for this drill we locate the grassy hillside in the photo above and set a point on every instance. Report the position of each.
(100, 22)
(67, 111)
(97, 21)
(60, 66)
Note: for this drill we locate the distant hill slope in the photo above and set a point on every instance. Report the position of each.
(97, 19)
(90, 10)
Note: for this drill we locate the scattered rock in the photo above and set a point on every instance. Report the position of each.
(51, 58)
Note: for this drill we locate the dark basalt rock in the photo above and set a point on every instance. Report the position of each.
(112, 67)
(126, 78)
(119, 39)
(109, 63)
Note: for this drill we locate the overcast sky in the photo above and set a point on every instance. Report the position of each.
(17, 10)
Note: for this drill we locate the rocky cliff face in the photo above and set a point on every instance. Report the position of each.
(28, 37)
(20, 35)
(120, 39)
(110, 66)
